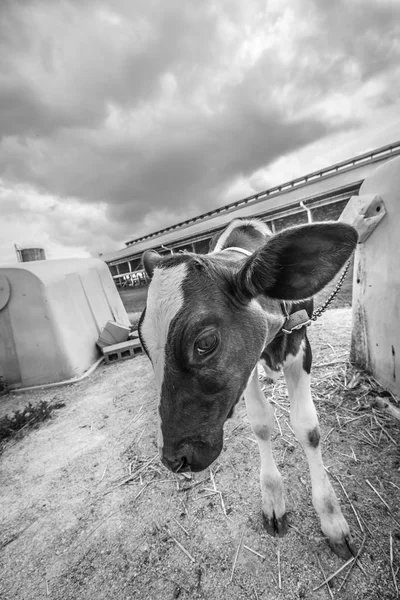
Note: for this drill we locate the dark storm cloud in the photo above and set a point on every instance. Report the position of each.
(148, 106)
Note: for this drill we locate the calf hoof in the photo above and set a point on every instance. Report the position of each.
(274, 526)
(343, 548)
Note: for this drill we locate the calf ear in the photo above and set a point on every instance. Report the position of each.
(297, 263)
(150, 260)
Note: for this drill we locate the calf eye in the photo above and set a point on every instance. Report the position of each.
(206, 343)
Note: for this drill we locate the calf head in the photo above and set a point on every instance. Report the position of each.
(204, 328)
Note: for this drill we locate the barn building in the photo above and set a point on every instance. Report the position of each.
(318, 196)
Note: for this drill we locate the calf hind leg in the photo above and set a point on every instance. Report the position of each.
(304, 420)
(261, 419)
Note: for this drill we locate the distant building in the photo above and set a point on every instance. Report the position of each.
(318, 196)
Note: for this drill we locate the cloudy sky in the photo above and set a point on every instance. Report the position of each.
(119, 117)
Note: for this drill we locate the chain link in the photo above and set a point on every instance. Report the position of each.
(318, 312)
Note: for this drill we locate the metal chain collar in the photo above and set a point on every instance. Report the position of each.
(299, 319)
(318, 312)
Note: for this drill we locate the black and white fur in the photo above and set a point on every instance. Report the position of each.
(210, 319)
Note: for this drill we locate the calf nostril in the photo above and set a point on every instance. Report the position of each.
(180, 465)
(179, 462)
(183, 465)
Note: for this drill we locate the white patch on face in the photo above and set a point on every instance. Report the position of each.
(258, 225)
(164, 301)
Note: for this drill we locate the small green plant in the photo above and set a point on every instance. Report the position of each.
(30, 415)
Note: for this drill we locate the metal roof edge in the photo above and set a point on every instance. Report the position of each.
(376, 155)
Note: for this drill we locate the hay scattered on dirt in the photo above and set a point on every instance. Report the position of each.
(88, 510)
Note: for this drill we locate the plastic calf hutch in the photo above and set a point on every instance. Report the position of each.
(51, 314)
(375, 342)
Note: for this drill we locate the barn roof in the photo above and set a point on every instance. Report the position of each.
(337, 181)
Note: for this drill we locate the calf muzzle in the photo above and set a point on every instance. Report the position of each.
(190, 456)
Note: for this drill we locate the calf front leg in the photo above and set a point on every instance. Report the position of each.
(304, 420)
(261, 419)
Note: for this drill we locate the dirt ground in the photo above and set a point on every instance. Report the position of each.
(88, 512)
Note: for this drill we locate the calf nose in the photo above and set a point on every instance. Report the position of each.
(179, 462)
